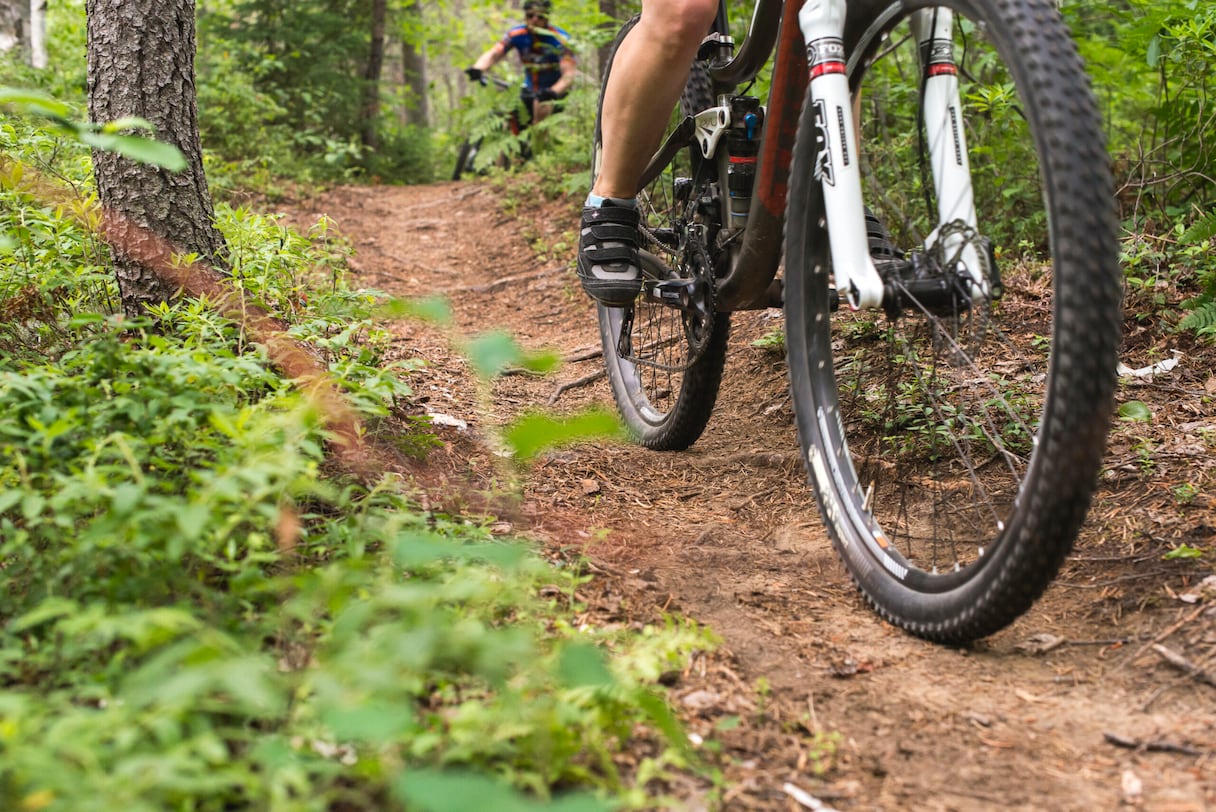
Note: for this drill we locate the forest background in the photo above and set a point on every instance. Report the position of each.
(205, 607)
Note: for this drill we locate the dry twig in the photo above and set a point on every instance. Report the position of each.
(575, 384)
(1183, 664)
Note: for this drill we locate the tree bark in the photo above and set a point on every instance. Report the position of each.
(413, 61)
(141, 63)
(371, 77)
(15, 26)
(610, 9)
(38, 56)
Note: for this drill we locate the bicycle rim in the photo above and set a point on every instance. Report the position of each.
(664, 364)
(955, 450)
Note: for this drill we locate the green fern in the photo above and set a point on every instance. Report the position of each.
(1201, 230)
(1203, 318)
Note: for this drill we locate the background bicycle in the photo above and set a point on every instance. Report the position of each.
(952, 383)
(495, 134)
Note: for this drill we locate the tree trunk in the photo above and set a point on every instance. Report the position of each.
(413, 61)
(15, 26)
(38, 57)
(141, 63)
(371, 77)
(610, 9)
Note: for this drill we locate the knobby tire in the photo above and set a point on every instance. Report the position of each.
(666, 390)
(954, 458)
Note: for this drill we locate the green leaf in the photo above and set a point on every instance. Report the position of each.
(49, 609)
(493, 352)
(127, 123)
(31, 101)
(542, 363)
(369, 722)
(1201, 230)
(432, 309)
(1183, 551)
(32, 505)
(532, 433)
(458, 791)
(727, 723)
(1135, 411)
(581, 665)
(79, 320)
(1154, 51)
(9, 497)
(656, 708)
(413, 549)
(137, 148)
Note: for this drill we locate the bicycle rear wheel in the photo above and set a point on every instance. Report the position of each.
(665, 363)
(465, 157)
(955, 448)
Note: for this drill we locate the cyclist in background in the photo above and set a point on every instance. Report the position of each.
(547, 59)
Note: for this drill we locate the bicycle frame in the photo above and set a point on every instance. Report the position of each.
(808, 38)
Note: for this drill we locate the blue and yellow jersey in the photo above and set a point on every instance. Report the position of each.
(541, 51)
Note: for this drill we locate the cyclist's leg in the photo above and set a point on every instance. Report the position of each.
(543, 109)
(527, 101)
(649, 72)
(648, 75)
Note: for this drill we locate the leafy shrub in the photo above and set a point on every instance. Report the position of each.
(200, 612)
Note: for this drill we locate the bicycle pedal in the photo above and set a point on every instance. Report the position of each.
(683, 294)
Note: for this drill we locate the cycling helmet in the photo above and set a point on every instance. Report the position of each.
(539, 6)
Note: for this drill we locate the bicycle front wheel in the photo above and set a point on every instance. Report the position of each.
(665, 363)
(954, 442)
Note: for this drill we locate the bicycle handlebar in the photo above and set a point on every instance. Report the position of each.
(486, 81)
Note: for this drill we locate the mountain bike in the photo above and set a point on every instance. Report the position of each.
(509, 121)
(951, 289)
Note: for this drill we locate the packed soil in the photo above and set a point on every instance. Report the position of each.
(1103, 695)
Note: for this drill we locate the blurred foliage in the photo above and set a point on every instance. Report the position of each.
(1153, 62)
(200, 610)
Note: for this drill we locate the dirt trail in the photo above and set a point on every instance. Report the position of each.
(1072, 708)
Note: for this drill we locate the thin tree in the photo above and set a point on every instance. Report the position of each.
(417, 110)
(38, 55)
(141, 64)
(612, 10)
(371, 76)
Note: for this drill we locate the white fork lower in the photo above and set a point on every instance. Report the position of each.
(838, 168)
(947, 142)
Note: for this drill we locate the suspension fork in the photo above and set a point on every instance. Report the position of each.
(946, 141)
(838, 167)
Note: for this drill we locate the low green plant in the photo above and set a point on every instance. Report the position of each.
(1183, 551)
(202, 610)
(1185, 493)
(773, 341)
(1197, 242)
